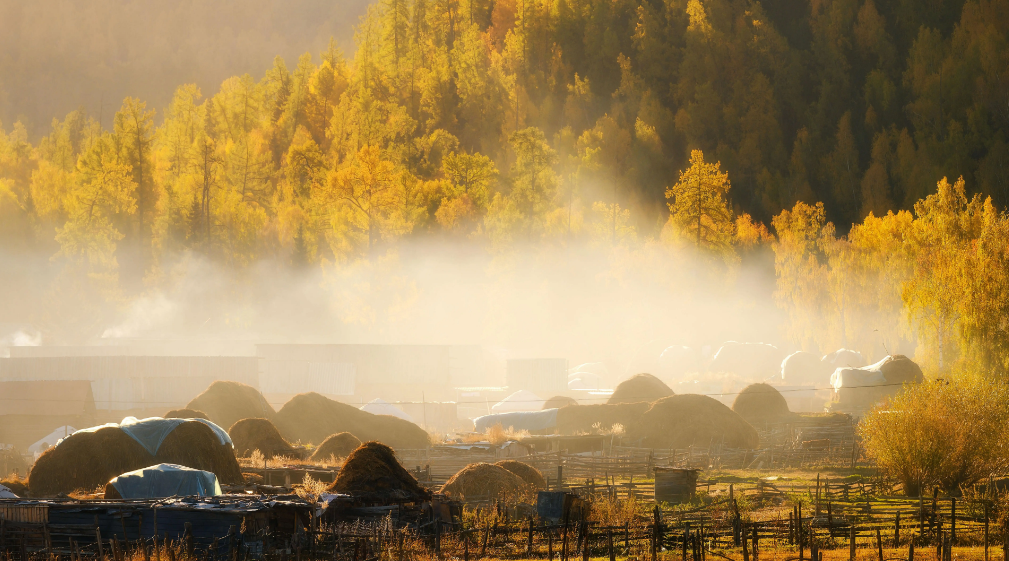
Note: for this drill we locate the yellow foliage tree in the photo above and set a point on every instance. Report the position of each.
(698, 207)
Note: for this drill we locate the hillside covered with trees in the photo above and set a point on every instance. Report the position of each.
(621, 124)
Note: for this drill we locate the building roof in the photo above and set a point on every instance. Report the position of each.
(58, 398)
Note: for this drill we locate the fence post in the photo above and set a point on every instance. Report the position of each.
(655, 532)
(879, 544)
(798, 528)
(952, 520)
(529, 542)
(550, 545)
(585, 543)
(98, 540)
(851, 543)
(746, 550)
(896, 530)
(609, 545)
(465, 546)
(910, 549)
(986, 531)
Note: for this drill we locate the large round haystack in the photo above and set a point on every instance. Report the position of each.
(639, 388)
(339, 445)
(372, 473)
(900, 369)
(526, 472)
(229, 402)
(482, 481)
(680, 421)
(582, 419)
(186, 414)
(558, 401)
(310, 417)
(250, 435)
(87, 460)
(760, 403)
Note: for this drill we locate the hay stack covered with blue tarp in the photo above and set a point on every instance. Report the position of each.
(161, 481)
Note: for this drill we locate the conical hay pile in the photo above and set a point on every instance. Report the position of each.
(186, 414)
(900, 369)
(558, 401)
(760, 403)
(680, 421)
(339, 445)
(482, 481)
(88, 460)
(373, 473)
(579, 419)
(259, 434)
(526, 472)
(226, 403)
(640, 387)
(310, 417)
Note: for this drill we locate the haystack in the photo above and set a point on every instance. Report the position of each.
(558, 401)
(581, 419)
(638, 388)
(526, 472)
(87, 460)
(680, 421)
(250, 435)
(372, 473)
(16, 485)
(482, 481)
(186, 414)
(760, 403)
(226, 403)
(339, 445)
(310, 417)
(900, 369)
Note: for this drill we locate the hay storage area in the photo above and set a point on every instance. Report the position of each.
(260, 434)
(760, 403)
(558, 401)
(481, 481)
(88, 460)
(640, 387)
(186, 414)
(372, 473)
(310, 417)
(680, 421)
(527, 473)
(226, 403)
(340, 445)
(577, 419)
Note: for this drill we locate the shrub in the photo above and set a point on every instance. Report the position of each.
(947, 433)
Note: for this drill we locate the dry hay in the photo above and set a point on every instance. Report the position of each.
(900, 369)
(639, 387)
(526, 472)
(11, 462)
(558, 401)
(680, 421)
(226, 403)
(310, 417)
(339, 445)
(260, 434)
(111, 493)
(482, 481)
(759, 403)
(253, 478)
(186, 414)
(372, 473)
(87, 460)
(582, 419)
(17, 485)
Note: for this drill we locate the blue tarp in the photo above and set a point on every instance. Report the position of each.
(166, 480)
(522, 420)
(151, 432)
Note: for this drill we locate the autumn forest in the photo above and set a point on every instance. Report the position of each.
(861, 148)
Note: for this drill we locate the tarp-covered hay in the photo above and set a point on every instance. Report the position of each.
(638, 388)
(482, 481)
(226, 403)
(250, 435)
(186, 414)
(88, 460)
(339, 445)
(310, 417)
(680, 421)
(900, 370)
(17, 485)
(528, 474)
(372, 473)
(583, 419)
(760, 403)
(558, 401)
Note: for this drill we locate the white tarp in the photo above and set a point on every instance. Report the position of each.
(6, 493)
(379, 406)
(858, 377)
(521, 400)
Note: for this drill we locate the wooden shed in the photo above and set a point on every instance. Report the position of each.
(675, 485)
